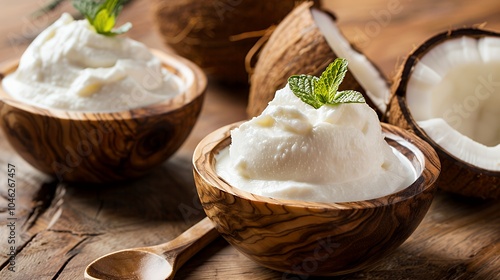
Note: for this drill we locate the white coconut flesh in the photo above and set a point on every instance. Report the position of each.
(454, 95)
(362, 69)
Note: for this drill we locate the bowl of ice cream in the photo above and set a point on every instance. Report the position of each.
(91, 108)
(325, 191)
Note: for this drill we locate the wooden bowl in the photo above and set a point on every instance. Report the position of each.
(312, 238)
(104, 147)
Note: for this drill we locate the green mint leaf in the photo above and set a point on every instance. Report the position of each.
(87, 8)
(303, 87)
(113, 6)
(348, 96)
(102, 15)
(324, 90)
(104, 21)
(330, 80)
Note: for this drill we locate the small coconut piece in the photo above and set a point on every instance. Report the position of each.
(217, 34)
(448, 93)
(305, 42)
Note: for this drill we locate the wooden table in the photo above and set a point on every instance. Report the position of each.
(61, 227)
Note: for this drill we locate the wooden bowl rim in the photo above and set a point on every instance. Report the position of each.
(182, 67)
(220, 138)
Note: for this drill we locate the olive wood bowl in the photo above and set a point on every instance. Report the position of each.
(101, 147)
(313, 238)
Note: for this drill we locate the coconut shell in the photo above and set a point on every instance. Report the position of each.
(296, 46)
(456, 176)
(217, 34)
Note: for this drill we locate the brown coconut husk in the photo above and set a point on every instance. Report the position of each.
(217, 34)
(456, 176)
(296, 46)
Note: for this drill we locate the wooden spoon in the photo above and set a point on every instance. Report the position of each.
(155, 262)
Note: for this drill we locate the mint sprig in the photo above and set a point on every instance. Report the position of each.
(102, 15)
(324, 90)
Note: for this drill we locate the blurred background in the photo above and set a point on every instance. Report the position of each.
(385, 30)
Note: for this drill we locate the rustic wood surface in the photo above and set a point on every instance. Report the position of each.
(60, 228)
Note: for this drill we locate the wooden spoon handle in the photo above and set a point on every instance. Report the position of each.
(183, 247)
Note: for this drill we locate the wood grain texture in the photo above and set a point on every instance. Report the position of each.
(457, 176)
(310, 238)
(104, 147)
(218, 34)
(296, 47)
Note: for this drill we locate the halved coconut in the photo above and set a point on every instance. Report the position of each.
(448, 93)
(216, 34)
(305, 42)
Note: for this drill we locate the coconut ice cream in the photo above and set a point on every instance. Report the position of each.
(330, 154)
(69, 66)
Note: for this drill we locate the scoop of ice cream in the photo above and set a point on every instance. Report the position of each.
(294, 151)
(70, 66)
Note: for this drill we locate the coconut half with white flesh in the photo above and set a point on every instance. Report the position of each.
(305, 42)
(448, 93)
